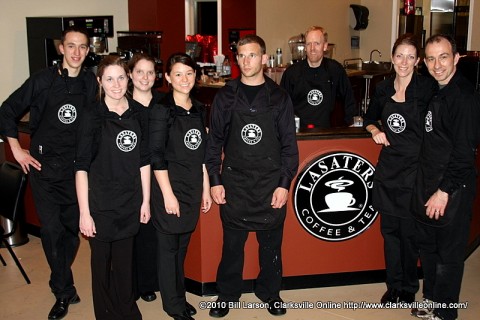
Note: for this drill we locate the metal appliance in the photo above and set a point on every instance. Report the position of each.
(297, 47)
(412, 24)
(130, 42)
(451, 17)
(44, 36)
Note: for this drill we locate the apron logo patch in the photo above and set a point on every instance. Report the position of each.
(428, 122)
(333, 194)
(126, 140)
(251, 134)
(67, 114)
(396, 123)
(315, 97)
(193, 139)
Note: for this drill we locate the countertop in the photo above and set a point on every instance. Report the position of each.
(332, 133)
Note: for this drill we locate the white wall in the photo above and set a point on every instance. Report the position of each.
(13, 33)
(278, 20)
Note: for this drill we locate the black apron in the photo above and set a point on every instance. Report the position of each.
(397, 165)
(437, 150)
(313, 99)
(184, 154)
(53, 142)
(115, 190)
(251, 172)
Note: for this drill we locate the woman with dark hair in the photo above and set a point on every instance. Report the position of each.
(142, 73)
(180, 187)
(113, 189)
(399, 104)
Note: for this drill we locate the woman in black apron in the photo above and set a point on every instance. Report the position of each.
(142, 73)
(400, 104)
(113, 189)
(180, 186)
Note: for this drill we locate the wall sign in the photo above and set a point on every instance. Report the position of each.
(333, 194)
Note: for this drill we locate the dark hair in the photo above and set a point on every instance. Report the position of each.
(439, 37)
(407, 39)
(75, 29)
(110, 60)
(137, 57)
(182, 58)
(132, 63)
(252, 38)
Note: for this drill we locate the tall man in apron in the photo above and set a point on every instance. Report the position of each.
(315, 83)
(445, 188)
(252, 122)
(56, 98)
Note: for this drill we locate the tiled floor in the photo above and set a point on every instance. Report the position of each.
(31, 302)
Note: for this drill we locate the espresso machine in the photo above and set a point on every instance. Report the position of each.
(44, 36)
(297, 47)
(131, 42)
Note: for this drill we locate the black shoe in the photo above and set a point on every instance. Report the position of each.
(148, 296)
(60, 308)
(184, 316)
(220, 309)
(276, 307)
(190, 309)
(391, 295)
(407, 297)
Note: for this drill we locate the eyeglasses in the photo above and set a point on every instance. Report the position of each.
(250, 56)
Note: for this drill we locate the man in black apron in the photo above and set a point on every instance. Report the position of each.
(252, 122)
(315, 83)
(445, 189)
(56, 98)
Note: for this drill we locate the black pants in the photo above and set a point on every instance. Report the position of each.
(112, 280)
(230, 270)
(59, 235)
(171, 252)
(442, 254)
(401, 252)
(145, 265)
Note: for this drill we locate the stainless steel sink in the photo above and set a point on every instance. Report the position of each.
(377, 66)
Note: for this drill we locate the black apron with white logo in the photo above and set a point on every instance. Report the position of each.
(115, 191)
(184, 154)
(314, 100)
(397, 165)
(251, 172)
(53, 143)
(436, 152)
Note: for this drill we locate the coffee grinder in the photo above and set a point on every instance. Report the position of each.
(297, 47)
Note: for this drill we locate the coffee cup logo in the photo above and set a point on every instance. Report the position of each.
(126, 140)
(396, 122)
(193, 139)
(339, 201)
(67, 114)
(251, 134)
(315, 97)
(332, 196)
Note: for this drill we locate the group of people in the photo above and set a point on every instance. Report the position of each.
(104, 160)
(131, 169)
(425, 179)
